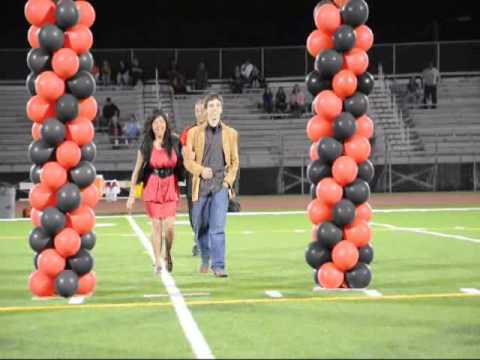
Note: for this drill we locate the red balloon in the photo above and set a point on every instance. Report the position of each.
(80, 130)
(32, 36)
(364, 127)
(340, 3)
(327, 18)
(358, 148)
(86, 283)
(363, 212)
(329, 276)
(41, 197)
(53, 175)
(40, 284)
(344, 170)
(40, 12)
(328, 105)
(345, 255)
(82, 219)
(318, 41)
(329, 191)
(313, 153)
(344, 83)
(36, 128)
(39, 109)
(90, 196)
(65, 63)
(358, 233)
(357, 61)
(86, 12)
(319, 212)
(35, 216)
(51, 263)
(364, 37)
(88, 108)
(49, 85)
(79, 38)
(318, 127)
(67, 242)
(68, 154)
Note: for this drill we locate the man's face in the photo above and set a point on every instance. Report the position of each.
(214, 111)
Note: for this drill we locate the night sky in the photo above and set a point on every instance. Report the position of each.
(227, 23)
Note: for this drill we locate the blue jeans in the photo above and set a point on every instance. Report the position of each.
(209, 215)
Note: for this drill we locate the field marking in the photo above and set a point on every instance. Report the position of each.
(150, 296)
(425, 232)
(274, 294)
(76, 300)
(470, 291)
(410, 297)
(197, 341)
(373, 293)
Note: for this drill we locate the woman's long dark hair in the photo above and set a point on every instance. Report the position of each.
(149, 135)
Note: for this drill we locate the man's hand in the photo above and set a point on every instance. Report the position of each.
(207, 173)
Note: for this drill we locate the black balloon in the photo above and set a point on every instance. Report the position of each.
(67, 108)
(344, 126)
(66, 14)
(68, 197)
(35, 171)
(83, 174)
(343, 213)
(328, 63)
(317, 170)
(39, 239)
(89, 152)
(39, 152)
(35, 260)
(329, 150)
(329, 235)
(313, 191)
(316, 255)
(82, 85)
(344, 38)
(51, 38)
(359, 277)
(30, 84)
(81, 263)
(358, 191)
(86, 61)
(315, 83)
(66, 283)
(365, 254)
(365, 83)
(39, 60)
(88, 240)
(53, 132)
(315, 276)
(366, 171)
(355, 13)
(357, 104)
(52, 220)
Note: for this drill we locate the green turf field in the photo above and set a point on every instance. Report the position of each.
(422, 260)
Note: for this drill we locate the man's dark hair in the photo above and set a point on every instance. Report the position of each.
(211, 97)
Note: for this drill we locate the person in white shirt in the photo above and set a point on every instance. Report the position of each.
(431, 78)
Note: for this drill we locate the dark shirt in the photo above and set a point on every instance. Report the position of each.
(213, 158)
(109, 110)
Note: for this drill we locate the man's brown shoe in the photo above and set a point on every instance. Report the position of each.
(220, 273)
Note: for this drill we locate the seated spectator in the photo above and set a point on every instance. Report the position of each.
(297, 100)
(237, 81)
(267, 100)
(136, 72)
(106, 73)
(250, 74)
(109, 110)
(201, 77)
(123, 75)
(115, 131)
(281, 100)
(131, 129)
(112, 189)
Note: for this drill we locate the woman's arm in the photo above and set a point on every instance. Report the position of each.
(133, 180)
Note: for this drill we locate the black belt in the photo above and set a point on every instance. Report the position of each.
(163, 172)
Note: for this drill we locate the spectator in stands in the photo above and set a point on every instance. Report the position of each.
(106, 73)
(137, 72)
(413, 91)
(158, 166)
(95, 72)
(131, 129)
(123, 75)
(112, 189)
(431, 78)
(109, 110)
(267, 99)
(250, 74)
(175, 78)
(115, 131)
(281, 100)
(201, 77)
(297, 100)
(237, 82)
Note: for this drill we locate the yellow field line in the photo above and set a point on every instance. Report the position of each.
(14, 309)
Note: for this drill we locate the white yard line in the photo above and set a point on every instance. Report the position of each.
(472, 291)
(274, 294)
(197, 341)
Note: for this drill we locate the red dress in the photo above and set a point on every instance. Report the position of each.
(160, 195)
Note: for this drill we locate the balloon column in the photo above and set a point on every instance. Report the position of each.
(339, 170)
(61, 109)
